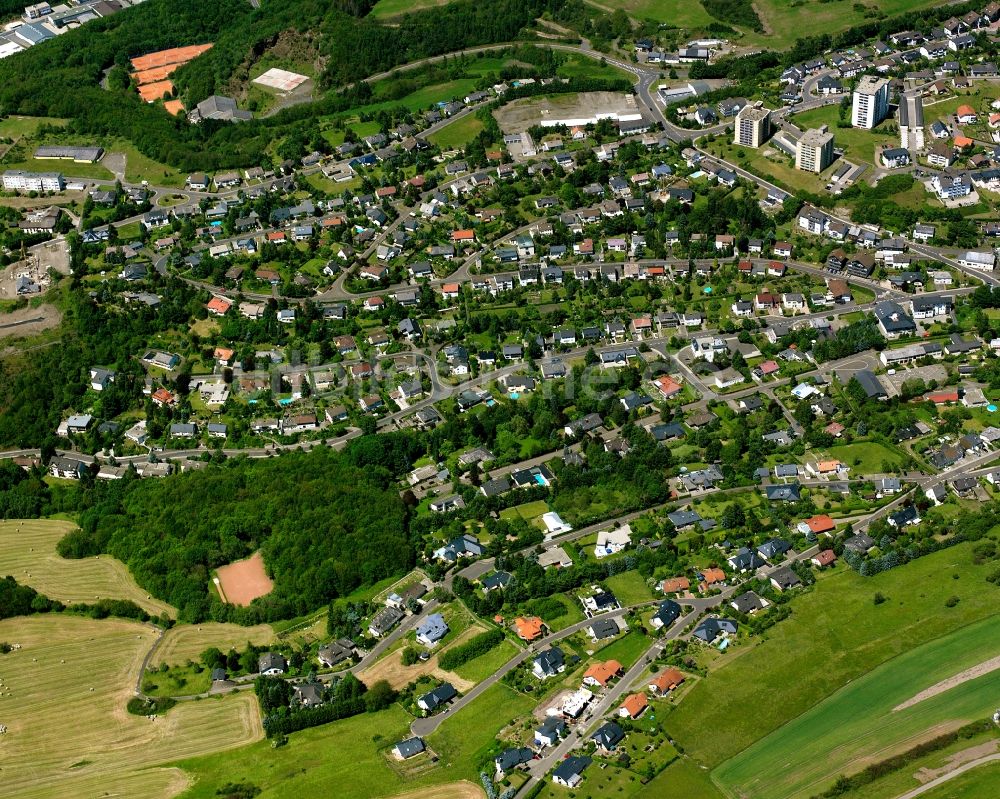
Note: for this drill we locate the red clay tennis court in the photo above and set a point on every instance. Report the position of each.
(240, 583)
(175, 55)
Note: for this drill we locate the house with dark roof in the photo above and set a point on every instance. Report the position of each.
(271, 664)
(711, 628)
(548, 663)
(437, 698)
(569, 774)
(510, 759)
(608, 736)
(748, 602)
(408, 748)
(784, 578)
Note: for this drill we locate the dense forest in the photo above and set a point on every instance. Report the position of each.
(325, 526)
(61, 77)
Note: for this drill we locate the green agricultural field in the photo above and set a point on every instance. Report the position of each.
(458, 133)
(863, 721)
(835, 635)
(978, 783)
(898, 782)
(784, 21)
(68, 733)
(28, 551)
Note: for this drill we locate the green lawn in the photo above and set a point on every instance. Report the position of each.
(581, 66)
(858, 145)
(179, 681)
(680, 778)
(13, 127)
(835, 635)
(865, 457)
(858, 723)
(627, 649)
(463, 738)
(779, 167)
(630, 588)
(531, 512)
(458, 133)
(483, 666)
(139, 167)
(352, 754)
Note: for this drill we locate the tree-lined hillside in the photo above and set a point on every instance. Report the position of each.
(325, 528)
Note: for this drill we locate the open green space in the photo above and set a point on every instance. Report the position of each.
(458, 133)
(859, 145)
(531, 512)
(483, 666)
(836, 634)
(627, 649)
(861, 722)
(778, 167)
(15, 126)
(395, 8)
(629, 587)
(867, 457)
(680, 778)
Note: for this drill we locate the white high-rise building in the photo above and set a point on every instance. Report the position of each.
(871, 102)
(814, 151)
(753, 126)
(911, 122)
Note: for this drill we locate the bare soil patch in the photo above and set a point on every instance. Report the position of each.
(242, 582)
(28, 321)
(925, 774)
(945, 685)
(453, 790)
(391, 668)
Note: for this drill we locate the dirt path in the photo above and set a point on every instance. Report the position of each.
(946, 685)
(950, 775)
(969, 755)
